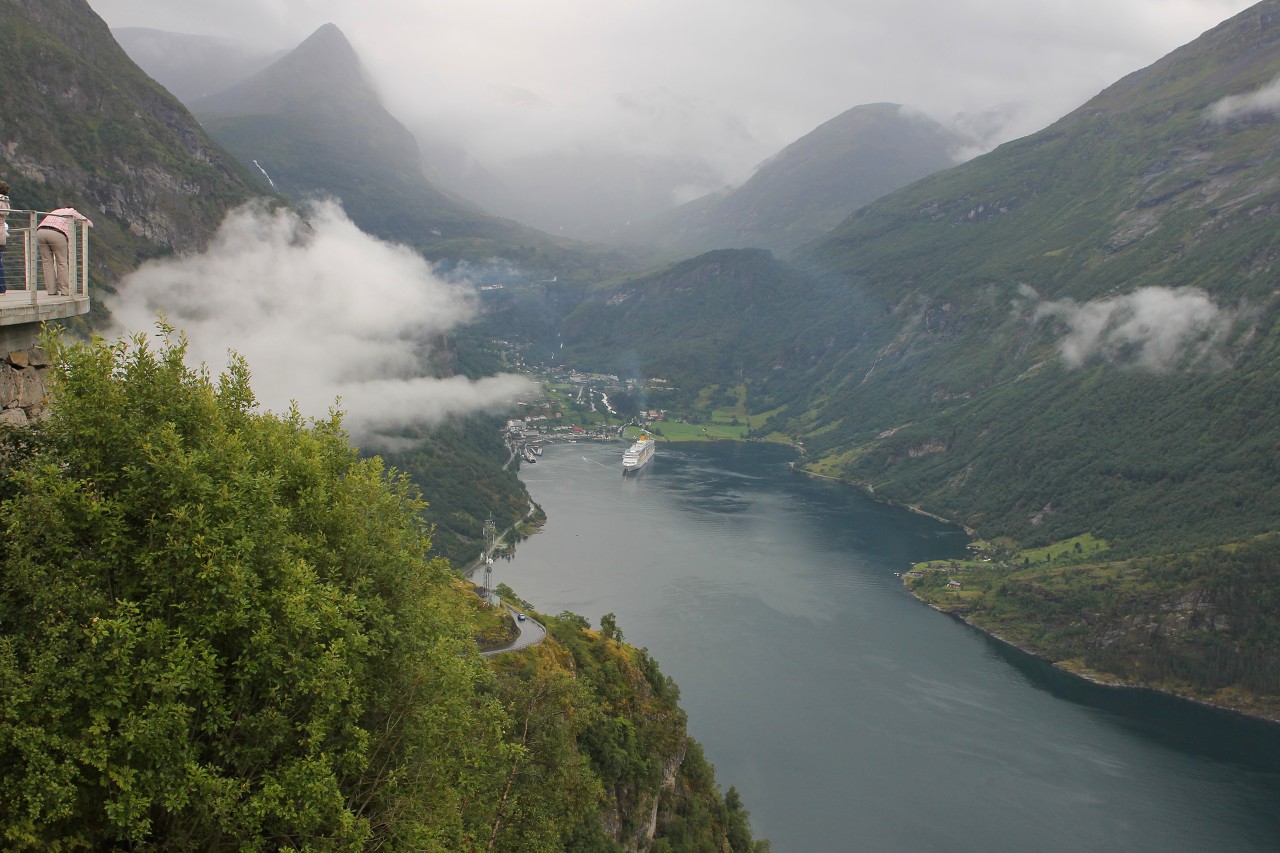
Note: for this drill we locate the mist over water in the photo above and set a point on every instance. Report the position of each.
(849, 715)
(324, 314)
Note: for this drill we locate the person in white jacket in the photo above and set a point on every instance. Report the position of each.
(4, 229)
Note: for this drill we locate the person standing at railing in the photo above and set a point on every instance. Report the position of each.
(4, 228)
(53, 236)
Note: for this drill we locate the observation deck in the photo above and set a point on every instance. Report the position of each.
(28, 303)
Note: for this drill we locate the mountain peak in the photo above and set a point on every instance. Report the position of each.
(324, 67)
(814, 183)
(328, 37)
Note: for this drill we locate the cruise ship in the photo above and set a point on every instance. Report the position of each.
(638, 454)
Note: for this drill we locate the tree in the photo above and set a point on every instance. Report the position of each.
(609, 627)
(506, 593)
(218, 627)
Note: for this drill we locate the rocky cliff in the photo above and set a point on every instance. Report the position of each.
(82, 125)
(24, 397)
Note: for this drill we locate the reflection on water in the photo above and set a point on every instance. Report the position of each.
(848, 714)
(1236, 739)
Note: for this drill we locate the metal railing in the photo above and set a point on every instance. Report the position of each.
(25, 275)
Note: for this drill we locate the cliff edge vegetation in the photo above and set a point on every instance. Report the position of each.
(220, 629)
(1201, 625)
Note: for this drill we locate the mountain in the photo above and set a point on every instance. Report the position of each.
(1078, 320)
(698, 322)
(812, 184)
(82, 125)
(192, 66)
(124, 151)
(1070, 346)
(313, 125)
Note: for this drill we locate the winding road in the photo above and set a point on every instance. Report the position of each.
(530, 634)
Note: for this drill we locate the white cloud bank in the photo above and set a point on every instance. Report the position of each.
(1155, 328)
(1264, 101)
(320, 310)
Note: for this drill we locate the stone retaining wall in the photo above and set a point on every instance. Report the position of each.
(23, 397)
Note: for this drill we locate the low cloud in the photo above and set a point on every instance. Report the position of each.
(1156, 328)
(321, 311)
(1264, 101)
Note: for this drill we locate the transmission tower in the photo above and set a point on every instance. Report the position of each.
(490, 544)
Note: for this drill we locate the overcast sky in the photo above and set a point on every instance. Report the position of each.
(739, 77)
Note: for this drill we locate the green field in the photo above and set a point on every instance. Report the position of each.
(680, 431)
(1077, 546)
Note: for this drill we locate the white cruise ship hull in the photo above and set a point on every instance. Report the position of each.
(638, 455)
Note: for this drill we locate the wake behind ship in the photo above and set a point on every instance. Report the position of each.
(638, 454)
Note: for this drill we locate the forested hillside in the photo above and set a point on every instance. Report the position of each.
(814, 183)
(221, 629)
(458, 465)
(1075, 332)
(716, 318)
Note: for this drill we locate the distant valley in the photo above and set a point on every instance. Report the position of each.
(1067, 347)
(1067, 336)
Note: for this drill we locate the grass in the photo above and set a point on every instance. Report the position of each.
(493, 626)
(948, 565)
(680, 431)
(1085, 543)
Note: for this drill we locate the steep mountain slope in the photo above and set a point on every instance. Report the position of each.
(80, 124)
(314, 125)
(713, 319)
(813, 183)
(192, 66)
(1036, 351)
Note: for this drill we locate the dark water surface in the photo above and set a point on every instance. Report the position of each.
(849, 715)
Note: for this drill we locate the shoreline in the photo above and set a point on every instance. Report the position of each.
(466, 572)
(1099, 679)
(870, 492)
(1111, 682)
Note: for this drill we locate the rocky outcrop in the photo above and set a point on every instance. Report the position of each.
(632, 817)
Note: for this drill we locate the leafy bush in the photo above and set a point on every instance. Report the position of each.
(218, 628)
